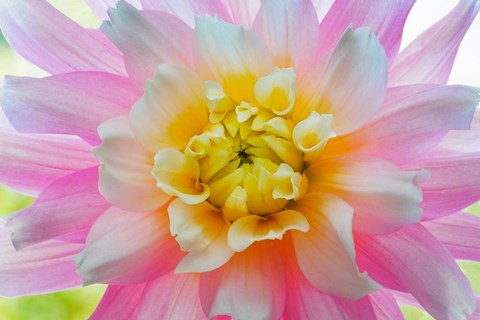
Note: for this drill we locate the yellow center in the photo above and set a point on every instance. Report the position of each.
(250, 158)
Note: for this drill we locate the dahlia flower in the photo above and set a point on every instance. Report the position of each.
(245, 159)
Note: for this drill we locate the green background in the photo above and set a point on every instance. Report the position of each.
(79, 303)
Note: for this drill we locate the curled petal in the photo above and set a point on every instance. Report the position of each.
(201, 230)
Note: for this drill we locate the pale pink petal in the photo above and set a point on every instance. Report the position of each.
(349, 83)
(172, 110)
(128, 247)
(476, 314)
(47, 38)
(414, 259)
(59, 210)
(173, 296)
(414, 120)
(231, 55)
(42, 268)
(290, 30)
(304, 301)
(119, 303)
(383, 196)
(30, 162)
(464, 140)
(125, 178)
(100, 7)
(385, 18)
(242, 12)
(250, 286)
(385, 306)
(73, 103)
(326, 253)
(454, 182)
(429, 58)
(459, 233)
(322, 7)
(147, 39)
(188, 9)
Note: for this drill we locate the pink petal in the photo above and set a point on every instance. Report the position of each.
(290, 30)
(385, 306)
(42, 268)
(384, 197)
(326, 253)
(430, 57)
(186, 10)
(413, 258)
(453, 185)
(414, 120)
(242, 12)
(464, 140)
(30, 162)
(86, 100)
(47, 38)
(100, 7)
(385, 18)
(127, 248)
(119, 303)
(147, 39)
(459, 233)
(349, 83)
(253, 278)
(59, 210)
(173, 296)
(125, 178)
(304, 301)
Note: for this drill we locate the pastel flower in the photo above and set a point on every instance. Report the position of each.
(253, 160)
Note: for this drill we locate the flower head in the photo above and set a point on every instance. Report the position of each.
(243, 159)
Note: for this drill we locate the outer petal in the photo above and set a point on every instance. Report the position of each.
(253, 278)
(31, 162)
(383, 196)
(59, 210)
(242, 12)
(304, 301)
(453, 185)
(430, 57)
(86, 99)
(173, 296)
(414, 120)
(326, 254)
(435, 280)
(43, 268)
(100, 7)
(188, 9)
(126, 248)
(125, 178)
(459, 233)
(290, 29)
(385, 18)
(464, 140)
(148, 38)
(119, 303)
(44, 36)
(385, 306)
(172, 110)
(349, 83)
(230, 55)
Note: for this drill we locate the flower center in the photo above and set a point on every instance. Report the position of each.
(250, 158)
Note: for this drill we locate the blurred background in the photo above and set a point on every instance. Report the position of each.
(79, 303)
